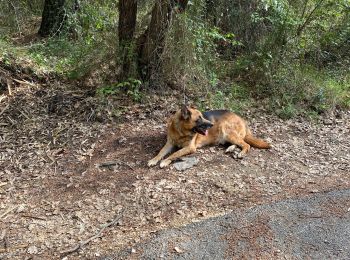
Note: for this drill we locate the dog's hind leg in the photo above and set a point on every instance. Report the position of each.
(235, 140)
(168, 147)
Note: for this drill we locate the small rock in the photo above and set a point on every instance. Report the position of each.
(32, 250)
(21, 208)
(178, 250)
(327, 122)
(186, 163)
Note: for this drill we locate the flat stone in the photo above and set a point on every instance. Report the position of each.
(186, 163)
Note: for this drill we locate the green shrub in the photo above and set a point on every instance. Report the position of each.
(132, 87)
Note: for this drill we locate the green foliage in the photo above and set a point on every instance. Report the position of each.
(289, 52)
(132, 87)
(93, 19)
(234, 97)
(88, 38)
(304, 89)
(59, 54)
(296, 54)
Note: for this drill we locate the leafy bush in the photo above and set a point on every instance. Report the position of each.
(132, 87)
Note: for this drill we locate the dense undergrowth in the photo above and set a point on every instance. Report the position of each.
(293, 57)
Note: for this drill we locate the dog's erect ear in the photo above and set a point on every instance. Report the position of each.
(193, 106)
(185, 113)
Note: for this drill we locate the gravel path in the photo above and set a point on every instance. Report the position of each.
(314, 227)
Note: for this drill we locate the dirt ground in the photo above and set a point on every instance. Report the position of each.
(65, 177)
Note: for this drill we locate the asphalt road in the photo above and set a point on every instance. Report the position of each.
(313, 227)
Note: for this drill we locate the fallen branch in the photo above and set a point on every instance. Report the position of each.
(114, 163)
(97, 235)
(24, 82)
(8, 211)
(108, 164)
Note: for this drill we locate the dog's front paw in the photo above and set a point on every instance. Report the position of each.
(152, 162)
(164, 163)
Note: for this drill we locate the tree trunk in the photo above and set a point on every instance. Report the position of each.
(151, 43)
(53, 18)
(126, 29)
(211, 13)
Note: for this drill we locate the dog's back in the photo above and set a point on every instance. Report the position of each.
(214, 115)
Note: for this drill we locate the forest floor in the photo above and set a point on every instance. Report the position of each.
(73, 187)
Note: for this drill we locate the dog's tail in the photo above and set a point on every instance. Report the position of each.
(256, 142)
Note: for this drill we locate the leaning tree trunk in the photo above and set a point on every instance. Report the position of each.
(53, 18)
(151, 43)
(126, 29)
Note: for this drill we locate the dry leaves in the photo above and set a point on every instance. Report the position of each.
(64, 175)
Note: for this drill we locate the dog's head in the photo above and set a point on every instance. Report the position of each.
(192, 119)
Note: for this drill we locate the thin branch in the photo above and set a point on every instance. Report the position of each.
(308, 18)
(97, 235)
(8, 211)
(16, 17)
(304, 9)
(24, 82)
(7, 106)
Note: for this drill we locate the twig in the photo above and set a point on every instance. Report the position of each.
(4, 238)
(114, 163)
(98, 234)
(16, 18)
(7, 106)
(24, 114)
(8, 211)
(308, 18)
(3, 234)
(4, 250)
(23, 82)
(2, 97)
(9, 86)
(108, 164)
(34, 217)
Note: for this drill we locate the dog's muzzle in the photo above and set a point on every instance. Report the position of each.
(202, 128)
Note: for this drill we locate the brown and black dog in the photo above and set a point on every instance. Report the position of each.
(189, 129)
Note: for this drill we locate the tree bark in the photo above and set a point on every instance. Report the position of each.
(126, 29)
(53, 18)
(151, 43)
(210, 6)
